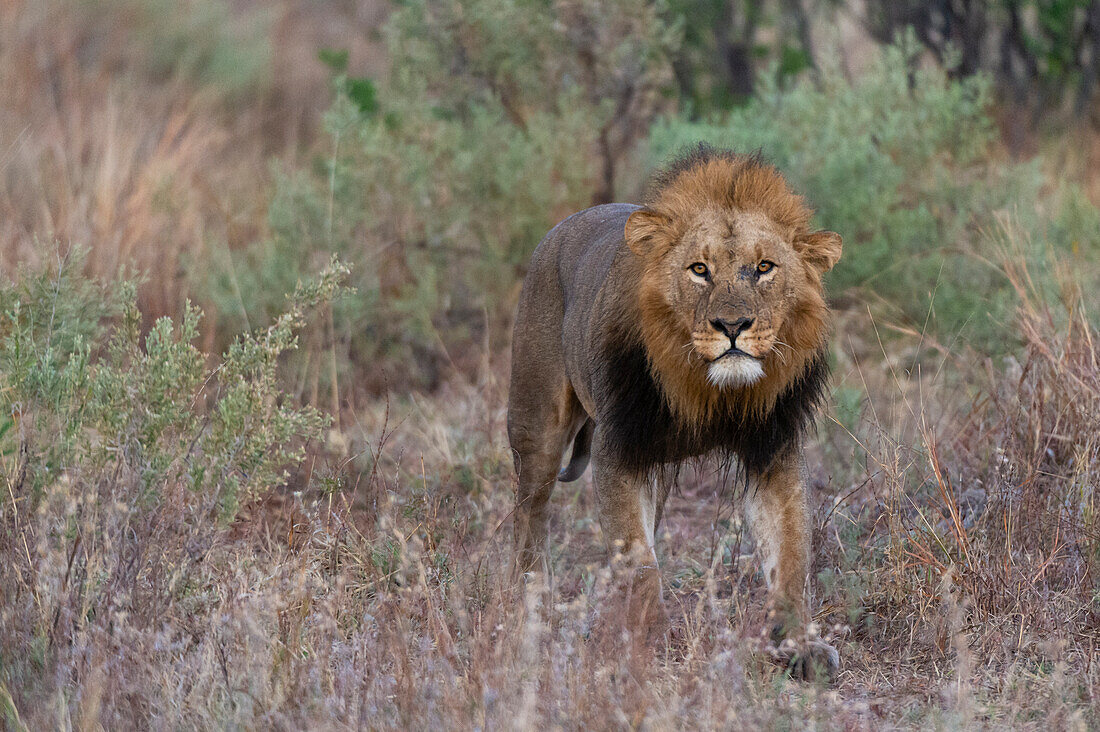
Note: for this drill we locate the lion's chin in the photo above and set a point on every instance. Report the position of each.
(732, 371)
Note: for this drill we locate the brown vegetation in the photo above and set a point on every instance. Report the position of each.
(151, 169)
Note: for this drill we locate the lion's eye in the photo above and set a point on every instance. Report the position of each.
(699, 269)
(765, 267)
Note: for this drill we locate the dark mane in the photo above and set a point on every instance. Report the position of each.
(645, 434)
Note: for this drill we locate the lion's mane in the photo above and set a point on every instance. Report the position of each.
(661, 408)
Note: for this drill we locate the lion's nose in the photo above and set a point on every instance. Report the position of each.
(732, 328)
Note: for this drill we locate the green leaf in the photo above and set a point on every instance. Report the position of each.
(335, 58)
(793, 60)
(363, 92)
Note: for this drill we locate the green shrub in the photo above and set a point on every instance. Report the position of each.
(125, 457)
(100, 405)
(498, 118)
(903, 163)
(725, 44)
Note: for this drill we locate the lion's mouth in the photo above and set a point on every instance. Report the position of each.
(735, 351)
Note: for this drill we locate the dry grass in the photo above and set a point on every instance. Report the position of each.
(149, 165)
(956, 572)
(89, 157)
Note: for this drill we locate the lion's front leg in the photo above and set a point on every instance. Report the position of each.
(778, 512)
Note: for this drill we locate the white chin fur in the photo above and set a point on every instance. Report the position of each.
(734, 371)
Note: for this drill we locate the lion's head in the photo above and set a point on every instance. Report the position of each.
(731, 298)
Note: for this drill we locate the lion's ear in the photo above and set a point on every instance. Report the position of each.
(647, 232)
(820, 250)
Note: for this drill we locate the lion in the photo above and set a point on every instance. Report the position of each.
(648, 335)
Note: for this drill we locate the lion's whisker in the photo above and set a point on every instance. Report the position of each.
(781, 354)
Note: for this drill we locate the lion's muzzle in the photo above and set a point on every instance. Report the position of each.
(732, 328)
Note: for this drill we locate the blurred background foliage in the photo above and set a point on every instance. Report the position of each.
(497, 118)
(457, 132)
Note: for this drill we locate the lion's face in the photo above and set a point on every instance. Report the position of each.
(733, 280)
(740, 294)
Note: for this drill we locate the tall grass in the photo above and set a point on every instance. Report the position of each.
(140, 130)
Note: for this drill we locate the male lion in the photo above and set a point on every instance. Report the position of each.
(693, 325)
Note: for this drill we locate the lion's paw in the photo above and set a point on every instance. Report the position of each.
(811, 660)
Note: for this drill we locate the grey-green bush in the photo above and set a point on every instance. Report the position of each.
(499, 118)
(125, 458)
(99, 403)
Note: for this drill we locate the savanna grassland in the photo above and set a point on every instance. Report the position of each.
(257, 268)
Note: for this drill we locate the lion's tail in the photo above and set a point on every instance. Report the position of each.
(582, 448)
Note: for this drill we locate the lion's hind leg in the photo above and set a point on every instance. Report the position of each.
(543, 417)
